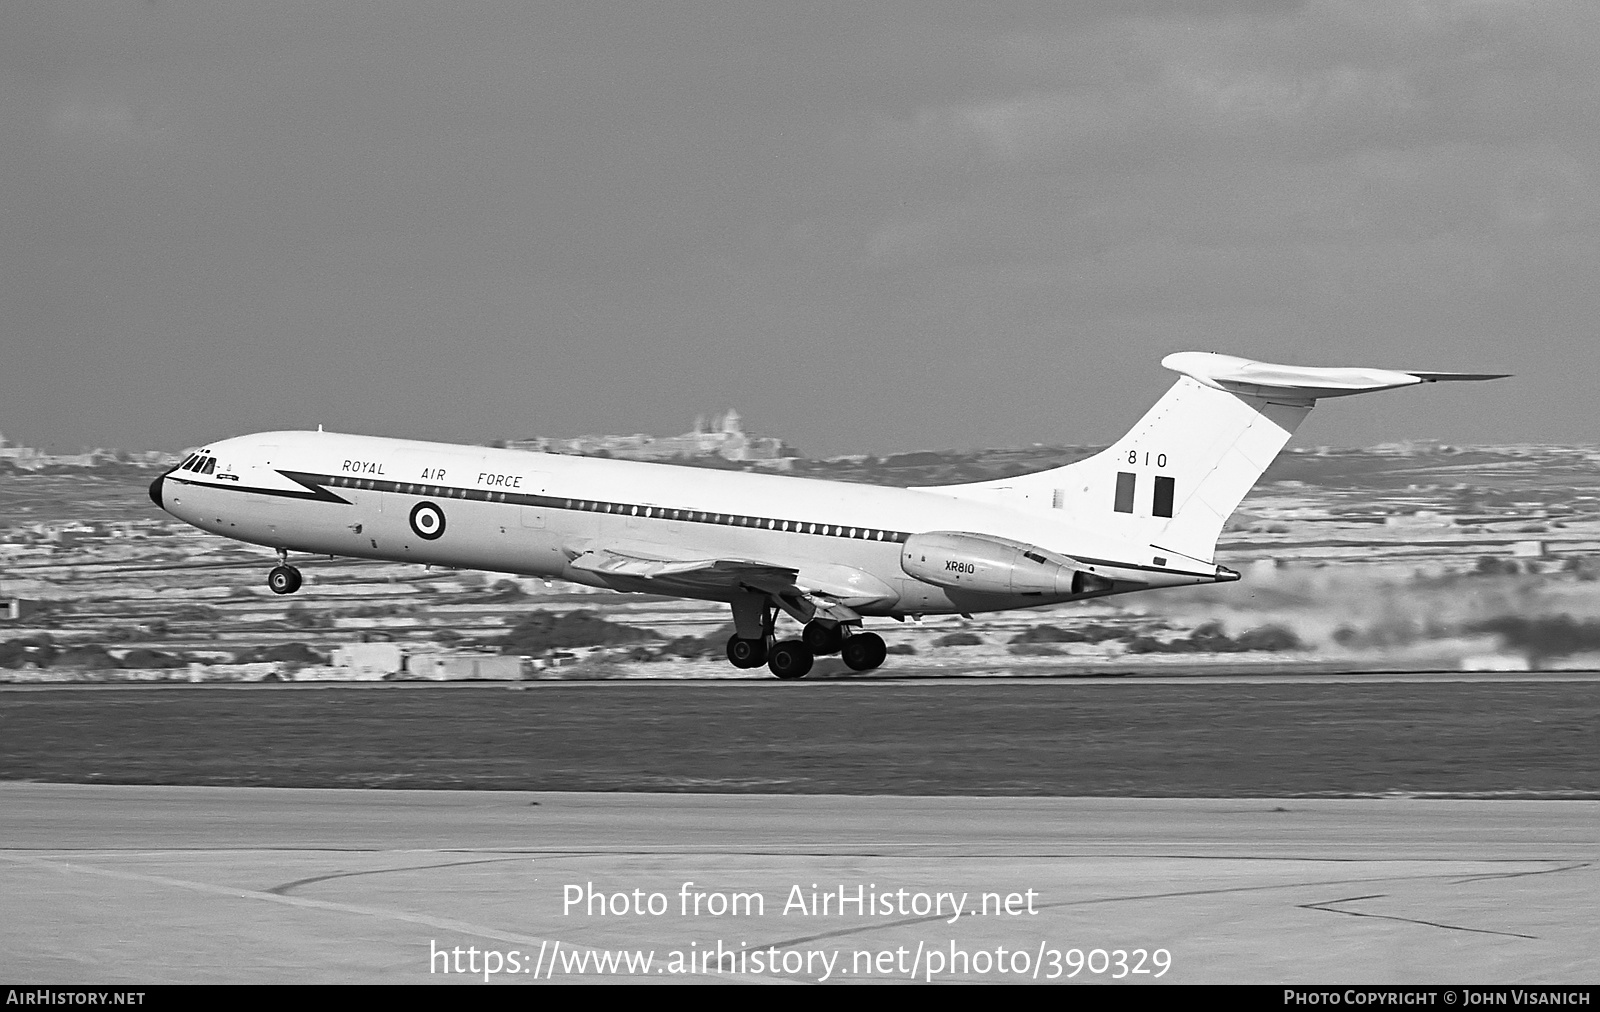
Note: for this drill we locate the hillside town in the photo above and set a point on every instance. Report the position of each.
(721, 438)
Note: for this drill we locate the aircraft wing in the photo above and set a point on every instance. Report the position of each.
(709, 573)
(823, 591)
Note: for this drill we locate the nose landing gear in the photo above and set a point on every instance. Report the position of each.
(284, 578)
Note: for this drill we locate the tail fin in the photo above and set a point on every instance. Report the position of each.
(1176, 477)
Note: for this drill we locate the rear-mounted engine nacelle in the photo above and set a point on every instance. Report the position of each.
(986, 564)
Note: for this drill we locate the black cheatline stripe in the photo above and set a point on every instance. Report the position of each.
(584, 506)
(315, 491)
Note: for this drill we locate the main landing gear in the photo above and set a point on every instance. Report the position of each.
(792, 659)
(860, 651)
(284, 578)
(747, 653)
(863, 651)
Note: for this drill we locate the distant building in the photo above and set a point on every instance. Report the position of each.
(15, 609)
(369, 660)
(723, 437)
(459, 667)
(19, 456)
(29, 458)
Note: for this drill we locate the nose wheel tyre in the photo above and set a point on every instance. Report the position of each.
(283, 580)
(864, 651)
(743, 653)
(789, 659)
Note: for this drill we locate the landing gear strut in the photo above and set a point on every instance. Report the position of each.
(754, 642)
(284, 578)
(788, 660)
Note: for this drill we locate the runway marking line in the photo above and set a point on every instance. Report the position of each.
(442, 923)
(283, 890)
(1328, 907)
(844, 932)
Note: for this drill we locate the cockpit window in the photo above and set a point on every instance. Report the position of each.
(210, 465)
(191, 463)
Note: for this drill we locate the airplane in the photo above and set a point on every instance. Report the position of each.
(1141, 515)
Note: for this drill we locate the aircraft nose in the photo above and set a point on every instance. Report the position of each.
(155, 491)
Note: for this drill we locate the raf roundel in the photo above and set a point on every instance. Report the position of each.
(427, 520)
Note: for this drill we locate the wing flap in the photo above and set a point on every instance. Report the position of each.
(828, 591)
(709, 572)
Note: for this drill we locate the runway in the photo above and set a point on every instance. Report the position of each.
(131, 884)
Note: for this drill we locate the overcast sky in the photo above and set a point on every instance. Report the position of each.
(870, 228)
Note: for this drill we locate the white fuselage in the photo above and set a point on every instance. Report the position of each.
(530, 513)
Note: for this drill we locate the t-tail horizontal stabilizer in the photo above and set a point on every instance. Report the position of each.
(1267, 379)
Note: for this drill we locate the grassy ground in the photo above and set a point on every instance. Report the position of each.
(1205, 740)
